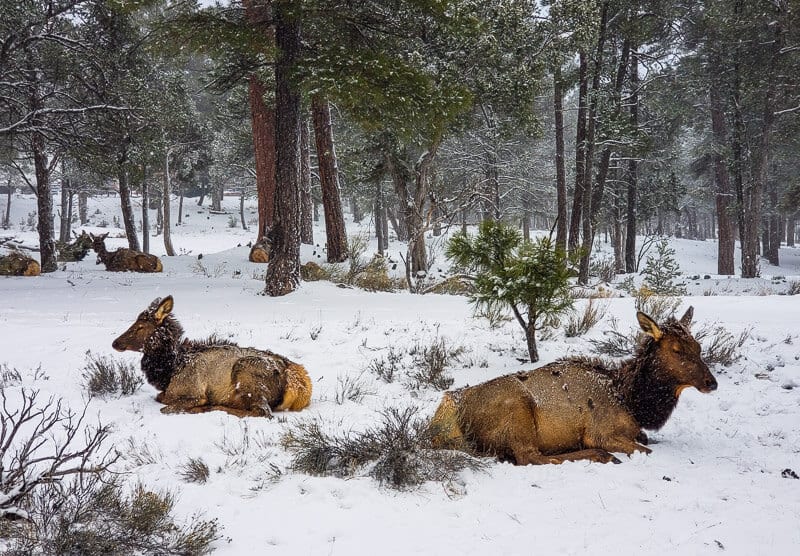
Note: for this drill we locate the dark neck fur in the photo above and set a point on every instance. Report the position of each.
(163, 353)
(648, 393)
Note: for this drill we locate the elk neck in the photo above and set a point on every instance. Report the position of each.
(162, 354)
(647, 391)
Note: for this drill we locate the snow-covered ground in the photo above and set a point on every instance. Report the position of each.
(713, 483)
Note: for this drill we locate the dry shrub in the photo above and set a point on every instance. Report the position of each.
(387, 368)
(720, 346)
(603, 268)
(96, 517)
(350, 388)
(614, 343)
(423, 364)
(793, 288)
(579, 324)
(105, 376)
(431, 363)
(397, 453)
(195, 471)
(658, 307)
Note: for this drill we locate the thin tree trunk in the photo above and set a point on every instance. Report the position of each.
(180, 204)
(166, 208)
(379, 217)
(580, 154)
(145, 211)
(7, 218)
(726, 243)
(241, 208)
(83, 207)
(329, 180)
(283, 272)
(66, 215)
(306, 200)
(561, 175)
(125, 202)
(591, 126)
(44, 202)
(630, 228)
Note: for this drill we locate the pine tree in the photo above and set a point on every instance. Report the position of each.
(530, 278)
(662, 270)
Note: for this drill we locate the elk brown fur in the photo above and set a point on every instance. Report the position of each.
(212, 374)
(124, 259)
(17, 264)
(577, 408)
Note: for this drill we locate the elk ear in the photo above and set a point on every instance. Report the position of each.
(686, 319)
(649, 326)
(163, 309)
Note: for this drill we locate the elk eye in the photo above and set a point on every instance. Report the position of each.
(676, 348)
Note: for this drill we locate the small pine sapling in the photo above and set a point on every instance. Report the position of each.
(662, 270)
(531, 278)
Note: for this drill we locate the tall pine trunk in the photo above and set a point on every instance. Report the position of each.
(283, 272)
(329, 180)
(44, 202)
(726, 243)
(258, 14)
(166, 207)
(580, 154)
(125, 203)
(561, 175)
(145, 211)
(306, 200)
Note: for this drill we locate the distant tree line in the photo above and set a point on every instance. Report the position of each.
(596, 119)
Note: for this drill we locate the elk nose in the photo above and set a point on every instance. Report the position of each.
(711, 384)
(117, 345)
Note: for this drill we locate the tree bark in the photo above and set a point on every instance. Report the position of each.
(591, 126)
(306, 200)
(561, 175)
(283, 272)
(166, 208)
(726, 243)
(580, 154)
(66, 209)
(145, 211)
(44, 202)
(329, 180)
(83, 206)
(264, 136)
(263, 125)
(7, 217)
(125, 203)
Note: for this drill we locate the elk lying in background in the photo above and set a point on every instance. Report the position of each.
(75, 251)
(210, 375)
(259, 252)
(577, 408)
(123, 258)
(17, 264)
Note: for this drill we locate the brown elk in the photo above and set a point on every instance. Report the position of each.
(259, 252)
(211, 375)
(75, 251)
(124, 259)
(577, 408)
(17, 264)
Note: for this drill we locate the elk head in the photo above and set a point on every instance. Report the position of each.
(148, 321)
(677, 354)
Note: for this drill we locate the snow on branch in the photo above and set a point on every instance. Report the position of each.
(39, 443)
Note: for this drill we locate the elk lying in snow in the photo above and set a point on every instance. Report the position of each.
(123, 258)
(577, 408)
(17, 264)
(75, 251)
(211, 375)
(259, 252)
